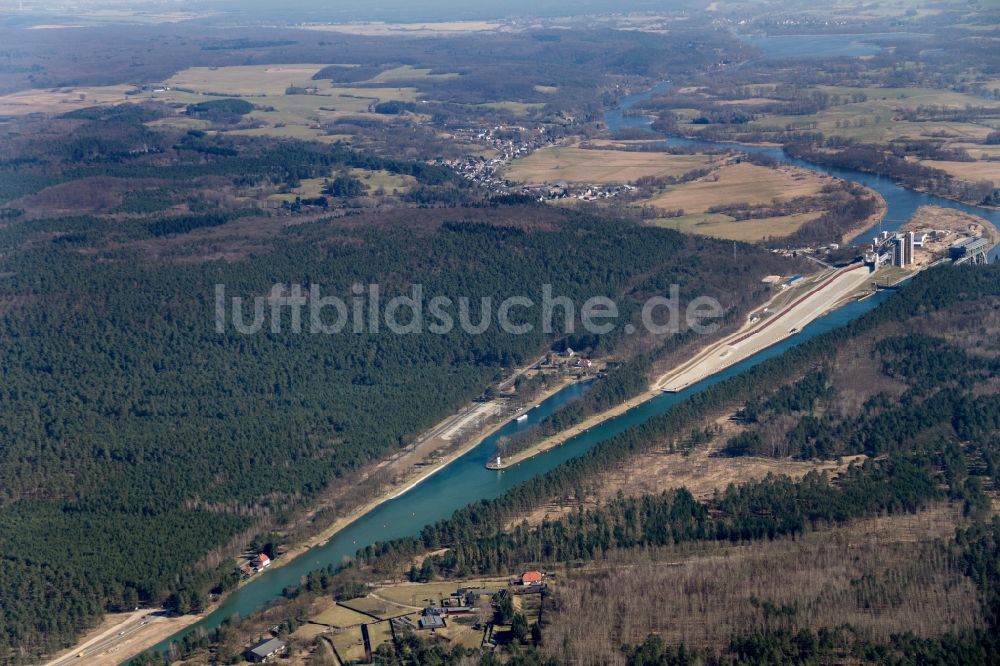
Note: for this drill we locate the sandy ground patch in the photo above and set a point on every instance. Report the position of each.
(950, 219)
(105, 646)
(581, 165)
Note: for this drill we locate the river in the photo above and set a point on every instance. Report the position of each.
(466, 479)
(902, 203)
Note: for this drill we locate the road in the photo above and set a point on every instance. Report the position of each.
(466, 413)
(110, 639)
(787, 322)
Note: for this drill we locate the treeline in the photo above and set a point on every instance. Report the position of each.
(183, 224)
(875, 159)
(758, 510)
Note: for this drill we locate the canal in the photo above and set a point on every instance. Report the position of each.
(466, 479)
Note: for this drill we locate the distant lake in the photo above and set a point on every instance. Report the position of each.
(824, 46)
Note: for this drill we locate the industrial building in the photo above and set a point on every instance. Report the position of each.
(970, 250)
(901, 246)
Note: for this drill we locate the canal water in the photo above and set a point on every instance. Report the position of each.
(466, 479)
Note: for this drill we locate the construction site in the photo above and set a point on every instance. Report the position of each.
(933, 235)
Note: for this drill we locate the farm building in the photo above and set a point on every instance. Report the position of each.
(264, 650)
(431, 621)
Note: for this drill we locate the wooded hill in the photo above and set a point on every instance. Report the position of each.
(140, 448)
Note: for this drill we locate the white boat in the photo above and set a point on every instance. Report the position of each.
(522, 417)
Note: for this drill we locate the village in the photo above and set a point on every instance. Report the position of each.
(481, 613)
(511, 142)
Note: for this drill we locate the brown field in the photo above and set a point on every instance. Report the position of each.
(970, 171)
(517, 108)
(723, 226)
(580, 165)
(421, 594)
(60, 100)
(741, 183)
(408, 73)
(281, 115)
(978, 150)
(339, 616)
(882, 576)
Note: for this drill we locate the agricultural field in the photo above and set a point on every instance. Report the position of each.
(340, 616)
(582, 165)
(419, 595)
(748, 231)
(378, 182)
(877, 119)
(517, 108)
(741, 183)
(61, 100)
(410, 73)
(970, 171)
(276, 113)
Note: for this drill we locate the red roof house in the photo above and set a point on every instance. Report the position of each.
(531, 578)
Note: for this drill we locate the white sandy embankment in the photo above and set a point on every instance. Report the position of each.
(744, 344)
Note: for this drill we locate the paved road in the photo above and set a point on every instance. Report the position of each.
(780, 326)
(450, 421)
(118, 635)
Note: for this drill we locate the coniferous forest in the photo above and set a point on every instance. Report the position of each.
(147, 441)
(941, 455)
